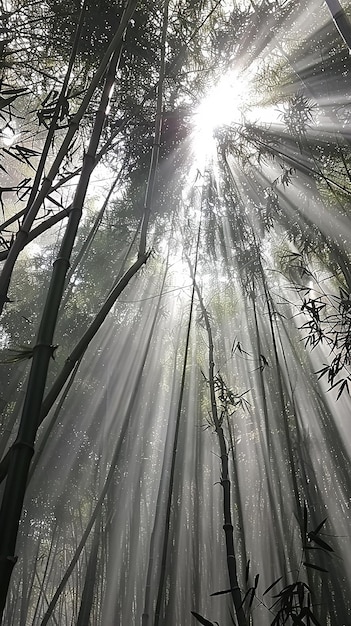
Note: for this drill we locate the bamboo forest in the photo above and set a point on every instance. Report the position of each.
(175, 299)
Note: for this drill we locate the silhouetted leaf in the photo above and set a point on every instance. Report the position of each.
(312, 535)
(246, 595)
(220, 593)
(320, 526)
(301, 594)
(296, 620)
(344, 385)
(202, 620)
(322, 371)
(252, 597)
(272, 585)
(311, 565)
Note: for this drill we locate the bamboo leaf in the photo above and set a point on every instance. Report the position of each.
(344, 385)
(246, 596)
(14, 355)
(220, 593)
(272, 585)
(296, 620)
(253, 593)
(202, 620)
(320, 542)
(247, 571)
(320, 526)
(312, 566)
(300, 594)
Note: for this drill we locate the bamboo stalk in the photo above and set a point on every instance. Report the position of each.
(225, 480)
(174, 456)
(22, 450)
(157, 136)
(110, 474)
(340, 20)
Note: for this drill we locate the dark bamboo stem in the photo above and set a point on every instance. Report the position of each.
(225, 480)
(157, 136)
(22, 450)
(340, 20)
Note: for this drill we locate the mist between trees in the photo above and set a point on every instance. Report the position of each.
(175, 295)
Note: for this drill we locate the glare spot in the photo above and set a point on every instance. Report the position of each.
(8, 136)
(222, 106)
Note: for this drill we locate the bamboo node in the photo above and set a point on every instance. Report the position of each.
(62, 258)
(23, 444)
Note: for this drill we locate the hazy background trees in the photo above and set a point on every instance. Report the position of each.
(227, 336)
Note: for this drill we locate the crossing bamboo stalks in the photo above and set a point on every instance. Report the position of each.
(21, 238)
(23, 448)
(111, 472)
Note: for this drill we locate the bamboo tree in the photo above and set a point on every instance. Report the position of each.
(166, 532)
(90, 238)
(23, 448)
(340, 20)
(159, 512)
(112, 469)
(90, 577)
(149, 194)
(225, 480)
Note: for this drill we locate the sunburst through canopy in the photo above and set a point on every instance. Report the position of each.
(192, 462)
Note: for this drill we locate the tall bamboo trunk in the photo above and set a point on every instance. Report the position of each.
(22, 450)
(90, 578)
(225, 479)
(340, 20)
(111, 472)
(149, 194)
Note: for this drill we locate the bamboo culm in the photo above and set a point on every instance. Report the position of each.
(225, 480)
(22, 450)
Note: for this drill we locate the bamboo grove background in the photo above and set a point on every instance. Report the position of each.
(176, 310)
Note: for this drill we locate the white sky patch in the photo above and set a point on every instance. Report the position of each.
(8, 136)
(264, 115)
(33, 249)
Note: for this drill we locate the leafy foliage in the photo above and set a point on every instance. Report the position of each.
(330, 323)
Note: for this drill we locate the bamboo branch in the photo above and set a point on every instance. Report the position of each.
(22, 235)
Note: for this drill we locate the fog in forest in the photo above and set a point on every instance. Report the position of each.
(175, 298)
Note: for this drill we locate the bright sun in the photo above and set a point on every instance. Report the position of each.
(223, 105)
